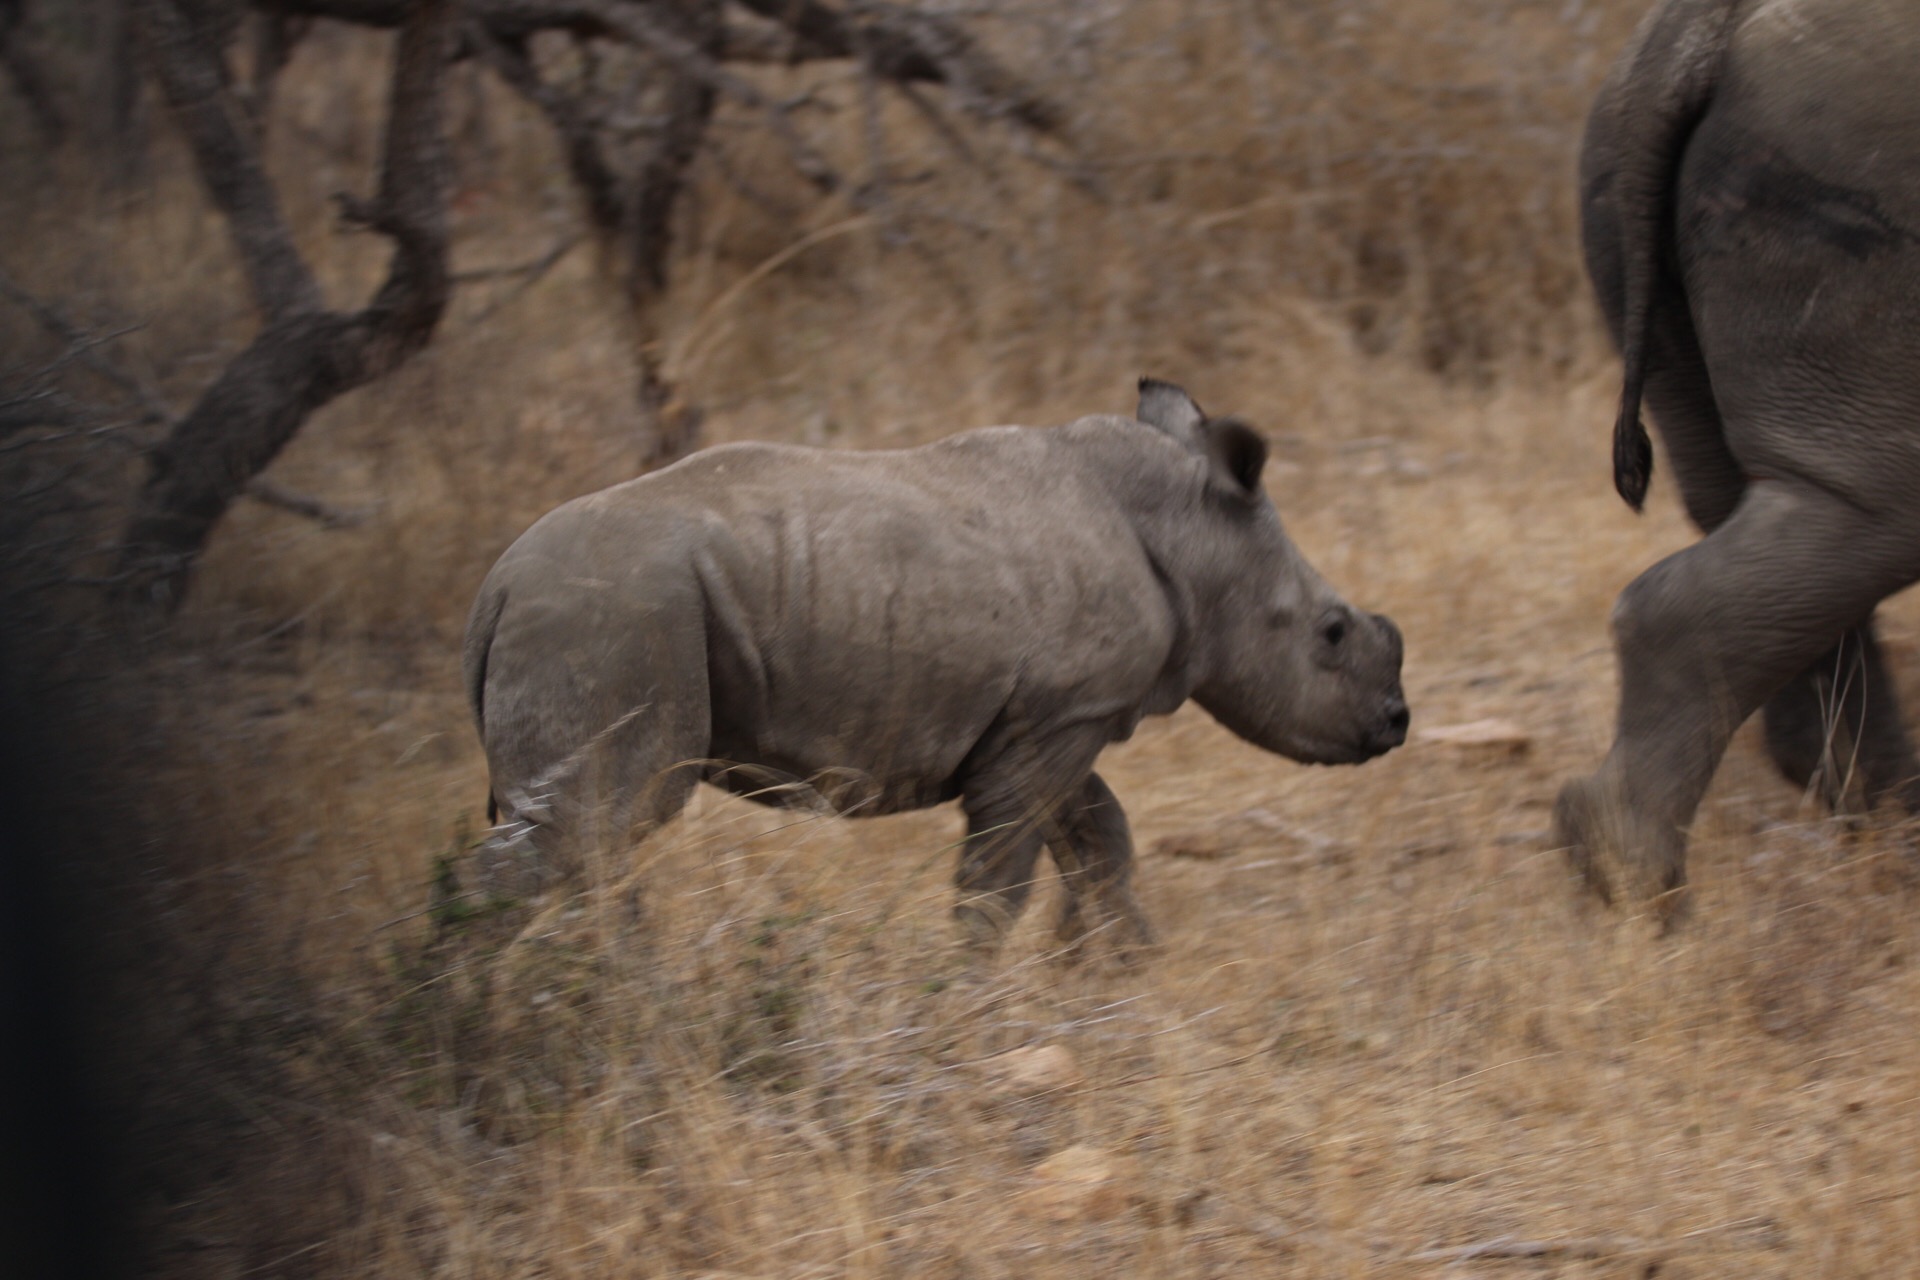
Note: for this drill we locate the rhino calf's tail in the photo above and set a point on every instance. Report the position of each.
(1638, 131)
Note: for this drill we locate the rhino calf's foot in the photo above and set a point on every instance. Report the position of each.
(983, 923)
(1111, 917)
(1093, 848)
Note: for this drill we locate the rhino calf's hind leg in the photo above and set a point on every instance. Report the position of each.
(1704, 638)
(1840, 719)
(598, 808)
(1093, 848)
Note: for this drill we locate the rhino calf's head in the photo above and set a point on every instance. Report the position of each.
(1285, 662)
(1315, 680)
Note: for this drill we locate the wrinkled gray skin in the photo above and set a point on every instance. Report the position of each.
(974, 619)
(1750, 185)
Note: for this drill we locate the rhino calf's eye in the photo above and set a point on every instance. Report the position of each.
(1334, 632)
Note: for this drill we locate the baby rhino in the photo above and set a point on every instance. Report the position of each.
(974, 619)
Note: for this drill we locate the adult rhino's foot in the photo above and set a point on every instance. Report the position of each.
(1618, 855)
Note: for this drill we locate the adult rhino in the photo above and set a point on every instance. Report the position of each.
(973, 619)
(1750, 185)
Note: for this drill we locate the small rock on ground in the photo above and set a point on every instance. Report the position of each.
(1481, 737)
(1034, 1069)
(1081, 1184)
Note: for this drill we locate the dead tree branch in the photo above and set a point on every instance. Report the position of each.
(304, 355)
(678, 57)
(524, 277)
(631, 193)
(904, 45)
(899, 44)
(535, 267)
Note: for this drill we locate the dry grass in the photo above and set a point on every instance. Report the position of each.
(1380, 1027)
(1381, 1031)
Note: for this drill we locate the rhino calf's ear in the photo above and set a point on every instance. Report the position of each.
(1237, 452)
(1170, 408)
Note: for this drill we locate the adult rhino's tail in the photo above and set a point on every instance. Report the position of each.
(1647, 109)
(481, 624)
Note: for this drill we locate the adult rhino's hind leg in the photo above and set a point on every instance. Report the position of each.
(1093, 849)
(1704, 638)
(1839, 720)
(1845, 688)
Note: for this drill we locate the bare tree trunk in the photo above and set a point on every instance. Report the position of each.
(304, 355)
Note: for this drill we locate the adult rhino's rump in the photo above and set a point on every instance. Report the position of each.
(1750, 198)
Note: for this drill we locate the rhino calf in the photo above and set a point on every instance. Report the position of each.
(1750, 209)
(974, 619)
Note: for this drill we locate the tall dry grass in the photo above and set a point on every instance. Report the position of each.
(1381, 1034)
